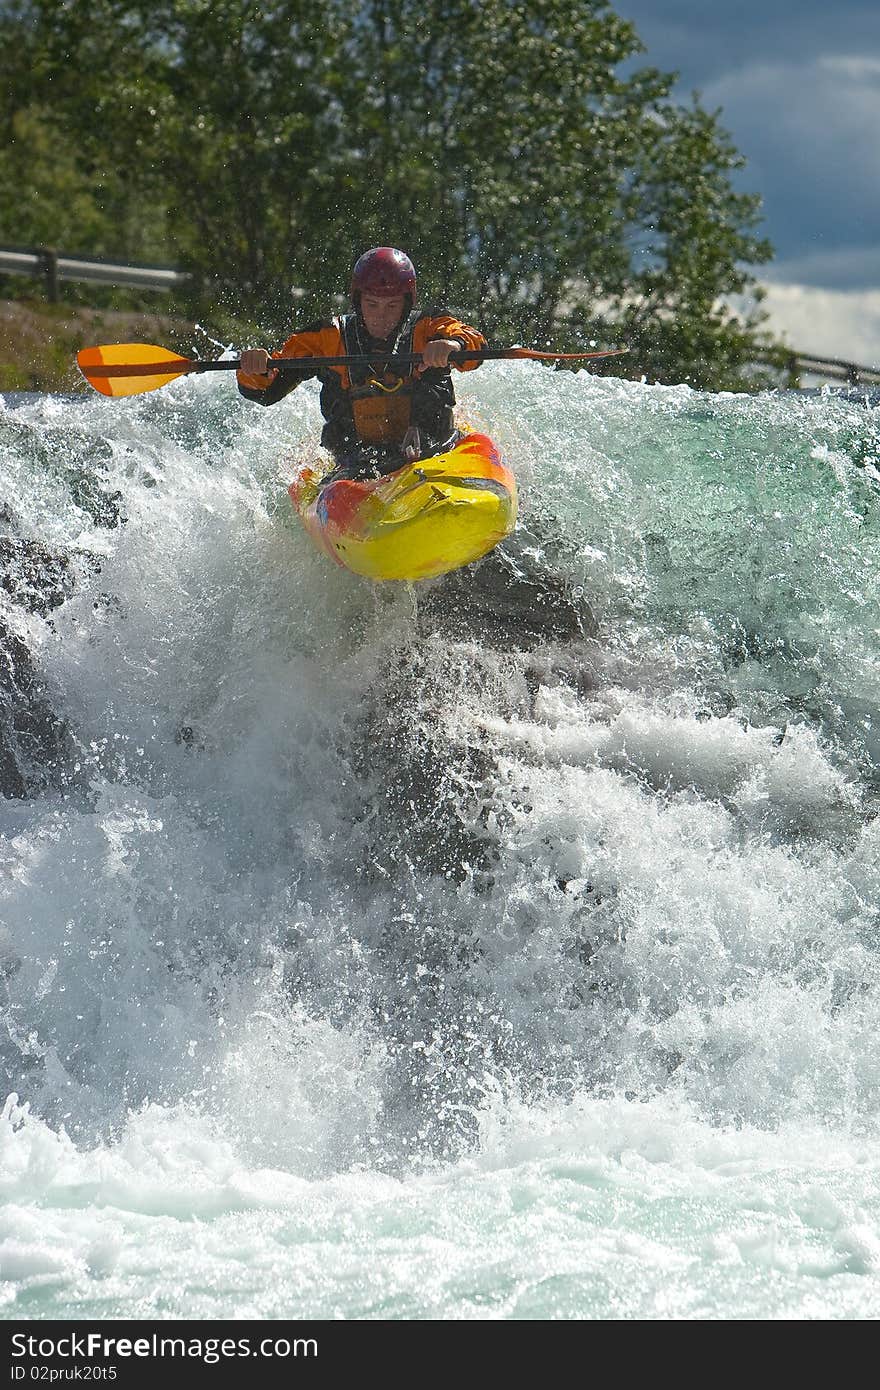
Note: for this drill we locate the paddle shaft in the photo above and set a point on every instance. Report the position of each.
(366, 359)
(312, 364)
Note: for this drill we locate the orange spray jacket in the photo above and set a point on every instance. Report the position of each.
(372, 404)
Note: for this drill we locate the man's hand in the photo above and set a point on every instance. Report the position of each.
(436, 354)
(254, 362)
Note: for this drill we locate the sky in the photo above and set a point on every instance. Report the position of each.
(798, 86)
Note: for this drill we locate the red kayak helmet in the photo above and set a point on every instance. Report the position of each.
(385, 272)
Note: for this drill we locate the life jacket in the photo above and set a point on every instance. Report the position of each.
(381, 400)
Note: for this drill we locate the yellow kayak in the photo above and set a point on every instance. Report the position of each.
(425, 519)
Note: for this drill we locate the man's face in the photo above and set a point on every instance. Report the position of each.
(381, 316)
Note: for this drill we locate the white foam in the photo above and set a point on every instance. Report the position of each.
(245, 1019)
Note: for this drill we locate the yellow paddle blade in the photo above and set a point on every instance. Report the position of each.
(128, 369)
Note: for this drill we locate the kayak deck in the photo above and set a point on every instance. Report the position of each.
(423, 520)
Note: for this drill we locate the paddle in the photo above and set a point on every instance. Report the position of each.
(129, 369)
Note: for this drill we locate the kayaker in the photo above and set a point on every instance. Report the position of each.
(376, 419)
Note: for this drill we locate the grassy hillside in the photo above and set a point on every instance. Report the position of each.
(39, 341)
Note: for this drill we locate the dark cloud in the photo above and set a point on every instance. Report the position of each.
(798, 86)
(703, 39)
(809, 131)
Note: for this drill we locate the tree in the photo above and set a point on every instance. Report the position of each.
(64, 180)
(538, 176)
(692, 236)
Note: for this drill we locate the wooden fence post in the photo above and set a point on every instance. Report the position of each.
(49, 258)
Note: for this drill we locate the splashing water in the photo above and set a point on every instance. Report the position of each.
(502, 947)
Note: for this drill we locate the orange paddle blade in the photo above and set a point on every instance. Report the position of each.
(128, 369)
(559, 356)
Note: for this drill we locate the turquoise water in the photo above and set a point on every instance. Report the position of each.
(500, 951)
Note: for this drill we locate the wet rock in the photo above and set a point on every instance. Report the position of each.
(506, 601)
(33, 740)
(427, 787)
(421, 789)
(32, 575)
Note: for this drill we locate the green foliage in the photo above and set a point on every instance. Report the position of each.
(545, 185)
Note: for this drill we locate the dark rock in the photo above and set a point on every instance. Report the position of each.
(505, 601)
(33, 740)
(33, 575)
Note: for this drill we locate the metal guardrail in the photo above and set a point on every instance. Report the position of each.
(45, 261)
(800, 364)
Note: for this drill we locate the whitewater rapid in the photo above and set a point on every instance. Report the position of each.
(504, 947)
